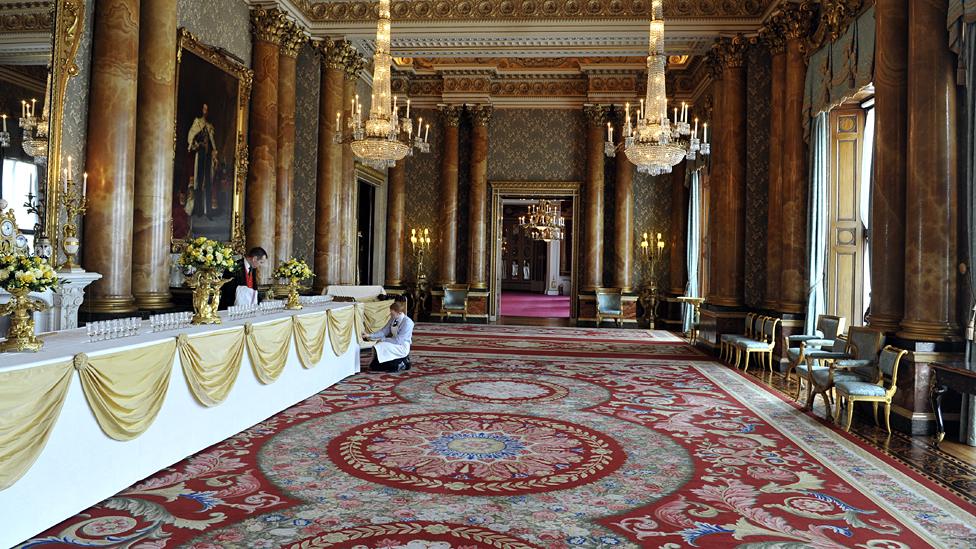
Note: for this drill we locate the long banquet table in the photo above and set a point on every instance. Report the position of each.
(81, 465)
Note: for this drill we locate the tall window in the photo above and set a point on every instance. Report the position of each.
(849, 195)
(19, 181)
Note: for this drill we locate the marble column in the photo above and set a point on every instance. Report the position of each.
(260, 210)
(794, 187)
(728, 230)
(679, 229)
(348, 190)
(449, 195)
(110, 160)
(153, 189)
(890, 169)
(776, 42)
(623, 238)
(596, 116)
(932, 202)
(396, 203)
(478, 211)
(329, 172)
(292, 41)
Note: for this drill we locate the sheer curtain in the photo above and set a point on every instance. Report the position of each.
(817, 222)
(694, 242)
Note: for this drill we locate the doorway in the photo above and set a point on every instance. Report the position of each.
(532, 280)
(365, 229)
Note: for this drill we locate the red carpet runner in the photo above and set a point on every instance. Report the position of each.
(519, 438)
(534, 305)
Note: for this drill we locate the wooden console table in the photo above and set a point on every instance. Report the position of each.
(949, 375)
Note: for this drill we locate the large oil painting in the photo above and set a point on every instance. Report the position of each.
(212, 95)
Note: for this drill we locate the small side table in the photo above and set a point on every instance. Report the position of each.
(949, 375)
(695, 302)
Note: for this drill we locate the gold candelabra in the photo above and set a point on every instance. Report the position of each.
(420, 244)
(74, 203)
(649, 295)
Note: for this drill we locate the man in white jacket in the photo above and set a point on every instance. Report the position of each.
(392, 349)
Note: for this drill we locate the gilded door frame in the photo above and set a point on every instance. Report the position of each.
(501, 190)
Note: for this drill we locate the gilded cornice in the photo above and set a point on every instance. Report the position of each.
(269, 25)
(460, 10)
(451, 114)
(481, 114)
(730, 51)
(292, 40)
(596, 115)
(26, 16)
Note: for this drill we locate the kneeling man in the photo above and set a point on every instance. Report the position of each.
(392, 351)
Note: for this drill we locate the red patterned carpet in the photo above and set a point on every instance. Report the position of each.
(510, 438)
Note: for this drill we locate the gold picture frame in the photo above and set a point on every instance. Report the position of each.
(230, 205)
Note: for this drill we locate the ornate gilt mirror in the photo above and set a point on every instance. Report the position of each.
(38, 44)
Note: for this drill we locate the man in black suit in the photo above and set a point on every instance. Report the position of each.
(243, 289)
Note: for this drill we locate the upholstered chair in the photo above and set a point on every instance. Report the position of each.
(763, 346)
(830, 328)
(609, 304)
(858, 362)
(455, 300)
(726, 347)
(864, 391)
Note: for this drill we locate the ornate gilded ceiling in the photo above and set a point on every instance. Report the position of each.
(25, 32)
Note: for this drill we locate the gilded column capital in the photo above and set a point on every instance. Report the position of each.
(452, 114)
(773, 35)
(292, 40)
(797, 19)
(730, 51)
(269, 25)
(481, 114)
(596, 115)
(354, 63)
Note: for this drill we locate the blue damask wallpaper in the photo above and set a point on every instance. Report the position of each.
(308, 76)
(758, 91)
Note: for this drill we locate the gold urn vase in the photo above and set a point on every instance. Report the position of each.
(293, 304)
(206, 286)
(21, 309)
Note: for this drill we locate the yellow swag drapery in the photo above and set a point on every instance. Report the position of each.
(267, 346)
(343, 329)
(310, 333)
(126, 389)
(30, 403)
(375, 314)
(211, 362)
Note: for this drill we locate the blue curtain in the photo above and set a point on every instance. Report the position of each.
(817, 222)
(694, 243)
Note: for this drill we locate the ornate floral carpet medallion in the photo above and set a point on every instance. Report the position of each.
(480, 446)
(476, 454)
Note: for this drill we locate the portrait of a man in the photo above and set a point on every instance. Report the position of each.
(204, 175)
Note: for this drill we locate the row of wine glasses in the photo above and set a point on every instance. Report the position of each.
(241, 311)
(312, 300)
(271, 306)
(170, 321)
(113, 329)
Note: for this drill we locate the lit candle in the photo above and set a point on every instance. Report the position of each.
(408, 108)
(338, 120)
(609, 132)
(23, 108)
(84, 185)
(4, 122)
(33, 107)
(705, 133)
(676, 115)
(394, 106)
(640, 113)
(627, 113)
(420, 125)
(352, 106)
(426, 132)
(696, 127)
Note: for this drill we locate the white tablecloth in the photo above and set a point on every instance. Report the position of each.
(81, 466)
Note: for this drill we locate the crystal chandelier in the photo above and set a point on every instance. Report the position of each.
(544, 222)
(654, 144)
(384, 137)
(35, 127)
